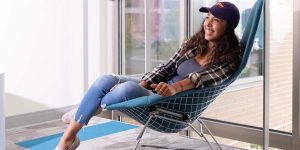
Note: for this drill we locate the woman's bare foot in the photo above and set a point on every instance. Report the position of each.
(66, 142)
(69, 138)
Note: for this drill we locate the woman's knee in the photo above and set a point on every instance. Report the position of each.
(128, 86)
(105, 78)
(124, 91)
(132, 89)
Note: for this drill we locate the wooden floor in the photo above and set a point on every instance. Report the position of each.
(118, 141)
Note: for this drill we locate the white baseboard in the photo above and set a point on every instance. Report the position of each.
(35, 117)
(42, 116)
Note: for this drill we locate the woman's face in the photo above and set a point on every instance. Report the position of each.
(214, 28)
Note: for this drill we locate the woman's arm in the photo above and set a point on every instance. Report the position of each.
(165, 89)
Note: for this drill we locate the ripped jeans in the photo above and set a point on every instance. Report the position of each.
(101, 95)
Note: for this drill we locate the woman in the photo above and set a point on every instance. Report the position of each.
(207, 58)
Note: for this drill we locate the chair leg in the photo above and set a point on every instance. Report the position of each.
(201, 135)
(142, 132)
(201, 122)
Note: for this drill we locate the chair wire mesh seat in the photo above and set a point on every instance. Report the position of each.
(175, 113)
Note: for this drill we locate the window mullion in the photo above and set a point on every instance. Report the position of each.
(187, 18)
(85, 46)
(296, 66)
(147, 5)
(266, 98)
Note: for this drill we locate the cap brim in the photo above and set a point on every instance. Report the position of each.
(215, 13)
(204, 9)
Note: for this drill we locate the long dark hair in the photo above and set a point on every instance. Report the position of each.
(228, 48)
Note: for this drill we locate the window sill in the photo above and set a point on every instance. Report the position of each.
(245, 83)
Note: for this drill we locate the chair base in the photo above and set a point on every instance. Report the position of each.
(156, 112)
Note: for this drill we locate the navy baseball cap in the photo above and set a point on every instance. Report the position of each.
(225, 11)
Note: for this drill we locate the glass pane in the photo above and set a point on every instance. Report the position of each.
(134, 37)
(281, 62)
(198, 16)
(244, 103)
(254, 66)
(165, 30)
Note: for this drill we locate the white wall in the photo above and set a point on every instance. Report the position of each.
(102, 38)
(99, 59)
(41, 53)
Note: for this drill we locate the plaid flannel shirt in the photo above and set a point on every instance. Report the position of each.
(212, 75)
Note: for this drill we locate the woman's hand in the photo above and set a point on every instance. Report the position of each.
(164, 89)
(144, 84)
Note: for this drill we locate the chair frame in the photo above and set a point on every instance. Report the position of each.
(155, 112)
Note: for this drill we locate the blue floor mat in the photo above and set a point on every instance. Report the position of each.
(90, 132)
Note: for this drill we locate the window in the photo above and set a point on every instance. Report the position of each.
(134, 37)
(165, 33)
(245, 104)
(281, 65)
(254, 66)
(165, 30)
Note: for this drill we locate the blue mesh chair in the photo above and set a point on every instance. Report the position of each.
(175, 113)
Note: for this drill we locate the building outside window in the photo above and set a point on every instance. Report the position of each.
(165, 27)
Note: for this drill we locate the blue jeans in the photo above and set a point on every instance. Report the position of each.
(101, 95)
